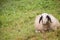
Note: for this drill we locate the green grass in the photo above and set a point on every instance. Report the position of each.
(17, 18)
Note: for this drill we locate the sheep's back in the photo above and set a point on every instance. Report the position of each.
(55, 23)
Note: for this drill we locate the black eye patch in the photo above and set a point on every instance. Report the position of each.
(49, 19)
(40, 18)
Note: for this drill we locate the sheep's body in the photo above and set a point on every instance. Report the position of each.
(49, 26)
(55, 23)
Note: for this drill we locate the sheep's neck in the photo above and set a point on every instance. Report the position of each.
(46, 27)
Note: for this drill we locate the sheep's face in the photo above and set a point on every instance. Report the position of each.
(45, 19)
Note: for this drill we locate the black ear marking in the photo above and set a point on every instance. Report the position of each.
(49, 19)
(40, 19)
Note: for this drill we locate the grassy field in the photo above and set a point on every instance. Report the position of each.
(17, 18)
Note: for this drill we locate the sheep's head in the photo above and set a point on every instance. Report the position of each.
(45, 18)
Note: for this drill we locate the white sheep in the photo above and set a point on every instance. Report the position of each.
(46, 22)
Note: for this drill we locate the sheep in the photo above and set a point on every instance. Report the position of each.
(46, 22)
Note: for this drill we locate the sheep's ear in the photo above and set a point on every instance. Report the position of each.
(40, 19)
(49, 19)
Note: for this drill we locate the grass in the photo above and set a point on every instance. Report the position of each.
(17, 18)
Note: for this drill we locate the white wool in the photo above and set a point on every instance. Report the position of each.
(39, 26)
(55, 23)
